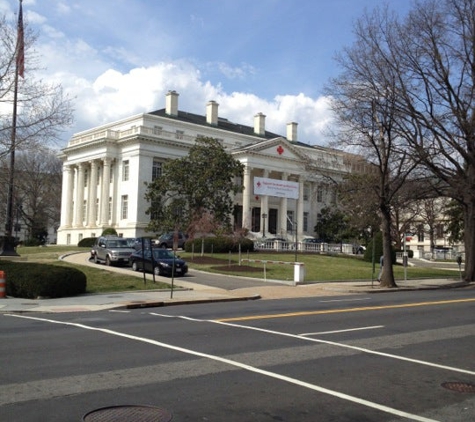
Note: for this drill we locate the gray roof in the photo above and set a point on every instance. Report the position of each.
(223, 124)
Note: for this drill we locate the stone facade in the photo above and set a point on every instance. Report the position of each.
(104, 170)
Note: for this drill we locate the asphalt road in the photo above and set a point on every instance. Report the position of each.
(351, 358)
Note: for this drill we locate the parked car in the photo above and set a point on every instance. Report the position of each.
(166, 240)
(311, 240)
(111, 250)
(138, 242)
(163, 262)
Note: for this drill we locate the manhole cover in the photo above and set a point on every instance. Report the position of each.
(129, 413)
(460, 387)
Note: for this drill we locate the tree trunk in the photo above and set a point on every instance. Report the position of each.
(469, 230)
(387, 278)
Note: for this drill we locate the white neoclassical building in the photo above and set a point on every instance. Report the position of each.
(104, 170)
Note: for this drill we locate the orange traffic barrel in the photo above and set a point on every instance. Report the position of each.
(3, 284)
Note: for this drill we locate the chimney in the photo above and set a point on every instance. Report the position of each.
(171, 107)
(260, 124)
(212, 113)
(292, 131)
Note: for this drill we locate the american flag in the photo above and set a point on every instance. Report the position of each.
(20, 55)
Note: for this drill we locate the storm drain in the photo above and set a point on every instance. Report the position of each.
(460, 387)
(129, 413)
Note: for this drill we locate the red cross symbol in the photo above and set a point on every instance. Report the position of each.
(280, 150)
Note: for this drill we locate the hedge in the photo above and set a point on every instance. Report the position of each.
(33, 280)
(87, 242)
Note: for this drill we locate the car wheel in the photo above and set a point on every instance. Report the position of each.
(108, 261)
(157, 271)
(96, 260)
(135, 267)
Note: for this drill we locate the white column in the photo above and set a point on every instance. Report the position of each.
(265, 209)
(300, 208)
(246, 199)
(79, 202)
(66, 196)
(283, 211)
(105, 189)
(92, 195)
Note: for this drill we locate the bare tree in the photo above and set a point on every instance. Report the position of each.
(32, 112)
(430, 62)
(43, 109)
(365, 106)
(37, 199)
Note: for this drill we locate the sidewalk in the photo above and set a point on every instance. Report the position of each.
(193, 293)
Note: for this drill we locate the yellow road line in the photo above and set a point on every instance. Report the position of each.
(335, 311)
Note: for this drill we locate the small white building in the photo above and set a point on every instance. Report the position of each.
(105, 169)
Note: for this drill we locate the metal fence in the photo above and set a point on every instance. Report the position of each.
(280, 245)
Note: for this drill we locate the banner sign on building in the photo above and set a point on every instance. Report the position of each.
(276, 187)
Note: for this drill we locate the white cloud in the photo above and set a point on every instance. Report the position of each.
(114, 95)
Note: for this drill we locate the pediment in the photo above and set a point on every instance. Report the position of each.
(277, 147)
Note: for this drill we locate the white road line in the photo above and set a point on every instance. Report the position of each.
(342, 331)
(249, 368)
(331, 343)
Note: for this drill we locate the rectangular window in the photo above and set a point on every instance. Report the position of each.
(68, 239)
(306, 192)
(109, 211)
(157, 130)
(290, 221)
(439, 231)
(156, 169)
(111, 175)
(86, 176)
(125, 207)
(97, 208)
(420, 233)
(334, 196)
(179, 134)
(305, 221)
(99, 172)
(125, 170)
(319, 194)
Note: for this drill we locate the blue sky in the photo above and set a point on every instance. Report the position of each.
(117, 58)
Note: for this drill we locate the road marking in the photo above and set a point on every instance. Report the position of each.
(249, 368)
(344, 300)
(337, 311)
(331, 343)
(342, 331)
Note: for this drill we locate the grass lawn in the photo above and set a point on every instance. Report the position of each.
(99, 280)
(317, 268)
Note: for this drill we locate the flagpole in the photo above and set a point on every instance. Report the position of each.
(8, 247)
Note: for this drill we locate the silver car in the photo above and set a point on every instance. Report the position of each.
(112, 250)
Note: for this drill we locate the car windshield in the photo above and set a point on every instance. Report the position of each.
(121, 243)
(163, 254)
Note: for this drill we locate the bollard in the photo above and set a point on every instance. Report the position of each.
(3, 284)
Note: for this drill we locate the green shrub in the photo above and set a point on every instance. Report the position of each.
(32, 280)
(220, 244)
(109, 232)
(87, 242)
(378, 249)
